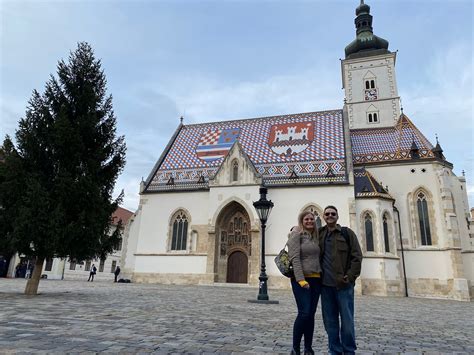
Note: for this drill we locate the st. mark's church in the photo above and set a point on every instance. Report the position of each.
(196, 223)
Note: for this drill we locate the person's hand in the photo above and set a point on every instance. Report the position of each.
(346, 278)
(306, 286)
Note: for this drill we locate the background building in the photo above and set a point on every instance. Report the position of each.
(58, 269)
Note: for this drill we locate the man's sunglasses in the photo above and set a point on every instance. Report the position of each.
(327, 214)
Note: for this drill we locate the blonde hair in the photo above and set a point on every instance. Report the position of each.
(301, 216)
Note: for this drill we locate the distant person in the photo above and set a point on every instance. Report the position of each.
(29, 271)
(117, 272)
(341, 260)
(303, 251)
(3, 266)
(92, 273)
(22, 270)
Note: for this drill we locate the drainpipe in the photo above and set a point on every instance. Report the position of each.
(395, 209)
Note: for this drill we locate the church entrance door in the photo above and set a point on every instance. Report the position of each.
(237, 267)
(234, 244)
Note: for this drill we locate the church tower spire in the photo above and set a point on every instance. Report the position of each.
(368, 77)
(366, 43)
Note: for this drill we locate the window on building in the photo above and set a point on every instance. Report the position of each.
(369, 233)
(49, 264)
(423, 219)
(88, 265)
(118, 246)
(72, 265)
(367, 84)
(114, 265)
(179, 232)
(235, 171)
(372, 84)
(101, 265)
(372, 114)
(385, 233)
(372, 117)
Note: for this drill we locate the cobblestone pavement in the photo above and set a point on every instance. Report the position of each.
(77, 316)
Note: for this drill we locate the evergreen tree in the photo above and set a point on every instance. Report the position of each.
(67, 160)
(9, 183)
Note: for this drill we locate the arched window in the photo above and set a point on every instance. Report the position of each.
(423, 219)
(372, 84)
(385, 233)
(369, 233)
(235, 171)
(179, 231)
(367, 84)
(372, 114)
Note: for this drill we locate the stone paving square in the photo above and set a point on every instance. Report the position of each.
(80, 317)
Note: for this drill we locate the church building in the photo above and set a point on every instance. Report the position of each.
(196, 223)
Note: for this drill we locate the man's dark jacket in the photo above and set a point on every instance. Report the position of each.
(347, 259)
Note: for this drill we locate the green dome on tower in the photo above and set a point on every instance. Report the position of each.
(366, 43)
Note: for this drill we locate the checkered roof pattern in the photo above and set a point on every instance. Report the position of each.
(326, 151)
(388, 143)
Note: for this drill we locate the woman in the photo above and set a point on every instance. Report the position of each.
(303, 251)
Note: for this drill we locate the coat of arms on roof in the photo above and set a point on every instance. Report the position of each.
(291, 138)
(215, 144)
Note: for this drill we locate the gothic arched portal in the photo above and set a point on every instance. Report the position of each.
(234, 244)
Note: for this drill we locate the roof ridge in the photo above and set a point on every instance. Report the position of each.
(371, 180)
(417, 132)
(260, 118)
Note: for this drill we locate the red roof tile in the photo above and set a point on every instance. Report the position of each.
(121, 214)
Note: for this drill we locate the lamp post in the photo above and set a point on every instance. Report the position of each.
(263, 207)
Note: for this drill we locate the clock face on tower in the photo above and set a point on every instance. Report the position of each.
(370, 94)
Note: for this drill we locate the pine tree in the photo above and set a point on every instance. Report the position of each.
(68, 159)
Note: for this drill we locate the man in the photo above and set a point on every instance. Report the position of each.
(341, 260)
(92, 273)
(117, 272)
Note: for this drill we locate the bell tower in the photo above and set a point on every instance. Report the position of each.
(368, 77)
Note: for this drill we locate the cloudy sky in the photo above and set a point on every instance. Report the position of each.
(218, 60)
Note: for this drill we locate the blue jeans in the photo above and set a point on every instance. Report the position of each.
(339, 303)
(307, 302)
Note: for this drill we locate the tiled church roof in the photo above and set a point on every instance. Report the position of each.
(310, 145)
(365, 185)
(388, 144)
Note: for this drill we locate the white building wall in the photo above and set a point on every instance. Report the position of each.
(377, 208)
(354, 72)
(172, 264)
(401, 181)
(431, 264)
(156, 212)
(130, 238)
(289, 202)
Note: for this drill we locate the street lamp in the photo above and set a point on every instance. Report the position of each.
(263, 207)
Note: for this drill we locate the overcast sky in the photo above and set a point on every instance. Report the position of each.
(220, 60)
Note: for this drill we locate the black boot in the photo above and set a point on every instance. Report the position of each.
(308, 351)
(295, 351)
